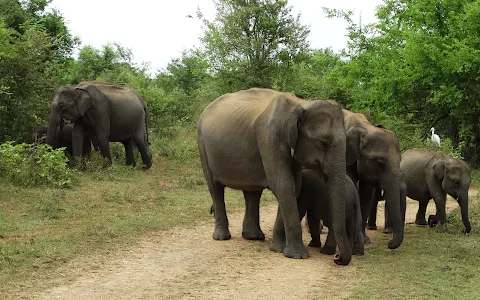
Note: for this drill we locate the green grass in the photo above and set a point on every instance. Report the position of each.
(43, 228)
(429, 264)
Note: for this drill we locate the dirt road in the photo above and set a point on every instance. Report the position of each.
(186, 263)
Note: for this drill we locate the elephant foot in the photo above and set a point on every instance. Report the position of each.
(315, 243)
(432, 220)
(421, 222)
(256, 235)
(366, 239)
(358, 249)
(278, 243)
(371, 226)
(328, 250)
(221, 234)
(297, 251)
(388, 230)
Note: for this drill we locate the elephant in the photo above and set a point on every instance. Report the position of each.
(373, 161)
(314, 200)
(434, 174)
(63, 138)
(110, 112)
(259, 139)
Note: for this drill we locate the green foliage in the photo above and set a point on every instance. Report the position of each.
(34, 165)
(318, 76)
(34, 46)
(253, 43)
(421, 60)
(185, 74)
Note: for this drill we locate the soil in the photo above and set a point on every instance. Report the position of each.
(186, 263)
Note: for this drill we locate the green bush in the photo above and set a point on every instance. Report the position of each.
(34, 165)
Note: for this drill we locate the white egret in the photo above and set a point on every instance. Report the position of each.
(435, 137)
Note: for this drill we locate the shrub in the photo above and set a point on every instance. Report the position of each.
(34, 165)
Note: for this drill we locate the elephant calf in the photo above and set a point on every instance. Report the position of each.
(314, 200)
(433, 174)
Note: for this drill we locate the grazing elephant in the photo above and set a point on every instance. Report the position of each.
(260, 139)
(373, 160)
(315, 201)
(433, 174)
(111, 113)
(63, 138)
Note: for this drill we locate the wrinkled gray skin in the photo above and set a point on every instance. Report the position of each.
(373, 160)
(63, 138)
(110, 112)
(314, 200)
(433, 174)
(246, 141)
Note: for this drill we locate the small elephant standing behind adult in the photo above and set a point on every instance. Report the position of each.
(63, 138)
(111, 113)
(433, 174)
(315, 200)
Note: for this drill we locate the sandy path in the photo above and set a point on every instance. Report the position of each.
(186, 263)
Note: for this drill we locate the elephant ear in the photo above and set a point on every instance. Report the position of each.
(439, 169)
(355, 139)
(84, 100)
(290, 126)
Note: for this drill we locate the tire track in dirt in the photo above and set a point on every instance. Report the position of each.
(186, 263)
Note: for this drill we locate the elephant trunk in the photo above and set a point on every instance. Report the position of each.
(463, 202)
(53, 122)
(337, 182)
(395, 208)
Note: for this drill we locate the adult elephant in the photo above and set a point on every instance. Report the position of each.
(433, 174)
(259, 139)
(110, 112)
(373, 160)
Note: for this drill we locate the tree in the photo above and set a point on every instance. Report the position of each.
(421, 61)
(252, 43)
(34, 52)
(185, 74)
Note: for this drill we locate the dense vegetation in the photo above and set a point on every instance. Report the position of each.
(415, 68)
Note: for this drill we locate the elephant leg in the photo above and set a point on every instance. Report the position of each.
(372, 218)
(440, 203)
(251, 221)
(129, 157)
(217, 191)
(279, 239)
(422, 210)
(104, 146)
(388, 223)
(366, 193)
(330, 244)
(87, 146)
(78, 135)
(314, 225)
(144, 151)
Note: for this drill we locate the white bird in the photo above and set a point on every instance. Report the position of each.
(435, 137)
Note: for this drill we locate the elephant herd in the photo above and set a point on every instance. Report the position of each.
(323, 161)
(97, 113)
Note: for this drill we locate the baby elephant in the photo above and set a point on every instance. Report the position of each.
(433, 174)
(314, 199)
